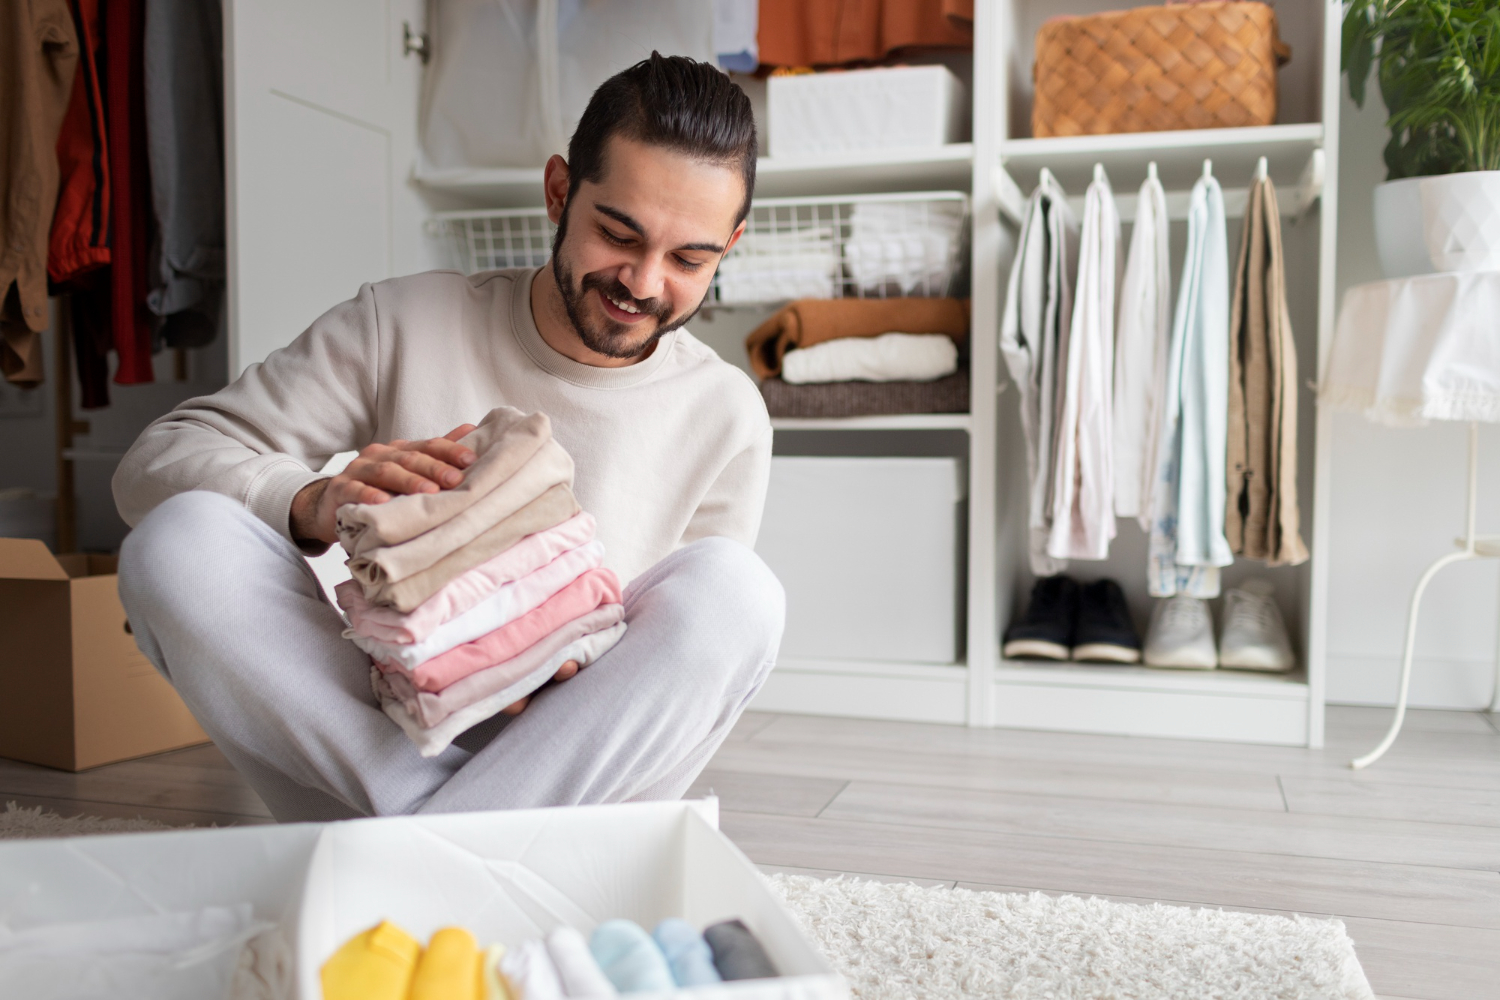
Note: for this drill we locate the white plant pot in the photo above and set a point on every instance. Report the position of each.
(1398, 228)
(1461, 220)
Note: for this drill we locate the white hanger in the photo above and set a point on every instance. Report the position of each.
(1208, 168)
(1099, 175)
(1262, 170)
(1151, 172)
(1045, 178)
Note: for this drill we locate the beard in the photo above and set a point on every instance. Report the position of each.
(606, 336)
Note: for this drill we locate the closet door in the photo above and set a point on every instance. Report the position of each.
(320, 121)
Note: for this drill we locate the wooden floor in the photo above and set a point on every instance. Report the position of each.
(1407, 853)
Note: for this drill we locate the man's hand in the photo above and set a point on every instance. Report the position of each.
(567, 670)
(378, 473)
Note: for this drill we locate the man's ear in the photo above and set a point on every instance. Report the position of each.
(555, 178)
(734, 237)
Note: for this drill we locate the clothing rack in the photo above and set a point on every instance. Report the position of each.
(1012, 200)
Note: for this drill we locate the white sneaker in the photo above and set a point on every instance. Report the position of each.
(1254, 635)
(1181, 635)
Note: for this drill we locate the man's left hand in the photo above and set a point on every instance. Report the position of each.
(567, 670)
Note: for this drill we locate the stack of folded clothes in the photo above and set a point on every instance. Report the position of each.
(860, 357)
(470, 599)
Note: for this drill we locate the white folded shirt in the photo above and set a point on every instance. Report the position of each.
(496, 611)
(891, 357)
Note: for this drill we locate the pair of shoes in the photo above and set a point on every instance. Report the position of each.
(1254, 637)
(1067, 621)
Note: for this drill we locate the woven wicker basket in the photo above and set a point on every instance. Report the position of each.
(1155, 69)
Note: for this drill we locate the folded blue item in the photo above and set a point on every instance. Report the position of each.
(629, 958)
(743, 61)
(690, 958)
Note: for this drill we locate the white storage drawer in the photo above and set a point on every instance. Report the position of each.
(868, 550)
(901, 107)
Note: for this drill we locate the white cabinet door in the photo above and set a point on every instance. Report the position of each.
(321, 124)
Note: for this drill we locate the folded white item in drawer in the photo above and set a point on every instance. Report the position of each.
(911, 245)
(770, 267)
(897, 107)
(891, 357)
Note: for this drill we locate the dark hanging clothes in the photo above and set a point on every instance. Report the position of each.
(80, 227)
(89, 303)
(132, 325)
(184, 119)
(38, 59)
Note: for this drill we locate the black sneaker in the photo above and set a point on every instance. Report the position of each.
(1105, 632)
(1045, 631)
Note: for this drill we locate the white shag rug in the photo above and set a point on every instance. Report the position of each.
(899, 941)
(22, 823)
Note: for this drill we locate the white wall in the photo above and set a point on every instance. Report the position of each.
(1397, 503)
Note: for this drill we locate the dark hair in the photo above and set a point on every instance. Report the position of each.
(673, 102)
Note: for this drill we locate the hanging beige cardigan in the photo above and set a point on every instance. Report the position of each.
(1261, 519)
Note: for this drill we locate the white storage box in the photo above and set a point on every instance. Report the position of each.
(901, 107)
(867, 549)
(506, 876)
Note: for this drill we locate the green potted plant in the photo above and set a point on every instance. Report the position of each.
(1437, 63)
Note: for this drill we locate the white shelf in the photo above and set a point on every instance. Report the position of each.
(1219, 682)
(1223, 705)
(884, 422)
(1179, 156)
(912, 692)
(941, 167)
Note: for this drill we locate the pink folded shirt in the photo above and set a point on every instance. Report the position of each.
(596, 587)
(468, 589)
(431, 707)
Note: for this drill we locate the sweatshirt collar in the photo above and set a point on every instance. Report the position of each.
(565, 368)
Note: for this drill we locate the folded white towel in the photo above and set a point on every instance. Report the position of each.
(891, 357)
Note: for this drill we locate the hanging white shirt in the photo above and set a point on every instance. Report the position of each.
(1083, 515)
(1037, 309)
(1187, 544)
(1142, 338)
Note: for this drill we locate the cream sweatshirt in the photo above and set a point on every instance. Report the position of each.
(669, 450)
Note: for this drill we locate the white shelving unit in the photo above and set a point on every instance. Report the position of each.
(354, 204)
(987, 690)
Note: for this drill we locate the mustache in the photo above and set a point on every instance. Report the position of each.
(616, 290)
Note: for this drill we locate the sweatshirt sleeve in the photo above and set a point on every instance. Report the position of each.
(260, 439)
(733, 505)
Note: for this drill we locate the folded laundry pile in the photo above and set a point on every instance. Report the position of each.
(470, 599)
(853, 357)
(771, 266)
(904, 247)
(386, 963)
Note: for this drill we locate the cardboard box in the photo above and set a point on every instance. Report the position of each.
(77, 691)
(506, 876)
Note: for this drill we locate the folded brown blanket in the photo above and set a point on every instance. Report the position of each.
(812, 321)
(866, 399)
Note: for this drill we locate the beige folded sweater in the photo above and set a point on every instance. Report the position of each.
(549, 467)
(546, 511)
(502, 442)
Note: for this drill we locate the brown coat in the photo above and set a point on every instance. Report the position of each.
(1261, 517)
(828, 32)
(38, 57)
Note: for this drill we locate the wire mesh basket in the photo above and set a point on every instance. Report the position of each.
(859, 246)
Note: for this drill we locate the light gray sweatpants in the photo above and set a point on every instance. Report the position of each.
(233, 616)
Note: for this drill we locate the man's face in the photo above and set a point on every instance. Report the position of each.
(636, 252)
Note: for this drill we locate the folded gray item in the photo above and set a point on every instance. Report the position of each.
(866, 399)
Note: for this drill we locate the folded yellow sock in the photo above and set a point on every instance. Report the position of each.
(449, 969)
(376, 964)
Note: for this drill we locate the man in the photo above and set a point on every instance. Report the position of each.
(672, 448)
